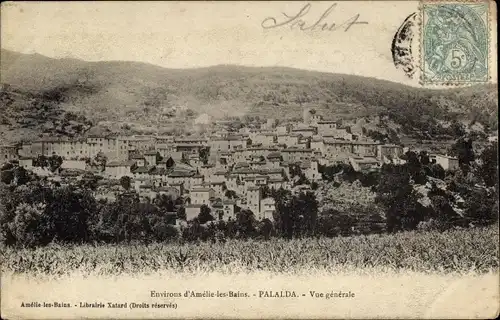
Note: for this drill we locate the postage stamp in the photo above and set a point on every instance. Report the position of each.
(455, 43)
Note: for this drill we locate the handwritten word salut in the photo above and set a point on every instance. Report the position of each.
(323, 23)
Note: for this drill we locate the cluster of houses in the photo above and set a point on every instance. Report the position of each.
(224, 170)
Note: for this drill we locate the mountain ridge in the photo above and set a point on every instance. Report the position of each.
(153, 97)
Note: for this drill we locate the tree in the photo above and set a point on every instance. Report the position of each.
(370, 179)
(126, 182)
(463, 149)
(442, 213)
(231, 194)
(423, 158)
(328, 172)
(265, 229)
(12, 173)
(118, 220)
(265, 191)
(281, 215)
(414, 167)
(161, 230)
(54, 162)
(203, 154)
(67, 213)
(478, 212)
(164, 202)
(181, 213)
(296, 172)
(457, 129)
(25, 224)
(40, 161)
(348, 173)
(332, 223)
(396, 194)
(89, 181)
(204, 216)
(295, 216)
(246, 224)
(100, 160)
(308, 205)
(482, 212)
(7, 173)
(194, 231)
(488, 169)
(436, 171)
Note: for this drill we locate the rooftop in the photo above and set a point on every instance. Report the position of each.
(272, 155)
(145, 169)
(120, 163)
(137, 156)
(336, 141)
(181, 174)
(168, 188)
(327, 122)
(443, 156)
(228, 138)
(366, 160)
(241, 165)
(160, 171)
(190, 139)
(246, 171)
(291, 149)
(304, 129)
(202, 190)
(184, 145)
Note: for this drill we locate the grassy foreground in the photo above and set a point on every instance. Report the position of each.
(471, 250)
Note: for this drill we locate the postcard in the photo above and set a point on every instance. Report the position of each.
(249, 160)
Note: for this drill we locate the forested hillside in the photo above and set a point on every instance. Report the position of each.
(123, 92)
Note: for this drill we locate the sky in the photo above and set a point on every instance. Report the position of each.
(199, 34)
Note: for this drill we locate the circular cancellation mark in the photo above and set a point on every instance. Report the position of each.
(401, 46)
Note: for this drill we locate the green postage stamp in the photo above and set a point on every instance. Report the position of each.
(455, 43)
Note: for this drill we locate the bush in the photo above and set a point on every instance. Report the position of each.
(431, 225)
(162, 231)
(25, 227)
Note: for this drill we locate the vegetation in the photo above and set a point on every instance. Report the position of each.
(264, 93)
(29, 115)
(451, 251)
(415, 195)
(52, 162)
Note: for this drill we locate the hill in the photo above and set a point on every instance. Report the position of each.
(25, 116)
(156, 97)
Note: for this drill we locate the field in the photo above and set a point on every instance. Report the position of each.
(457, 251)
(407, 275)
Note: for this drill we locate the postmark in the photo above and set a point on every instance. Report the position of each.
(401, 48)
(455, 43)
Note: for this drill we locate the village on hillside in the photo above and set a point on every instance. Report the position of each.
(222, 169)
